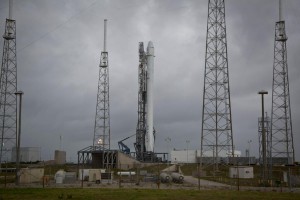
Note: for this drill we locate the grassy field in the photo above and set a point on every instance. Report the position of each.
(134, 194)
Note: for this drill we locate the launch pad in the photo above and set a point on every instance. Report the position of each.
(100, 155)
(91, 157)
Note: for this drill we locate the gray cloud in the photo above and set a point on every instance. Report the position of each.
(59, 45)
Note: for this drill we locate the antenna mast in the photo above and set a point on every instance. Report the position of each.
(104, 46)
(280, 10)
(10, 9)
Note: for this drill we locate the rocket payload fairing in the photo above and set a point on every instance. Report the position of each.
(150, 72)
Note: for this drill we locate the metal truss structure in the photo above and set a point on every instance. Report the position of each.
(282, 145)
(141, 124)
(265, 172)
(8, 88)
(216, 135)
(94, 157)
(102, 119)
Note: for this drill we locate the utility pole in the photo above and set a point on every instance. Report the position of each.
(249, 142)
(187, 151)
(19, 93)
(262, 93)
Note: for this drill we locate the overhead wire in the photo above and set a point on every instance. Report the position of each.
(71, 18)
(57, 27)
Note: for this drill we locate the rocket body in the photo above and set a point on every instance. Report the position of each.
(150, 72)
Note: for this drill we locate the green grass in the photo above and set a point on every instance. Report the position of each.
(223, 174)
(135, 194)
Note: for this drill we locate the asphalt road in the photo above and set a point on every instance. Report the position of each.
(203, 183)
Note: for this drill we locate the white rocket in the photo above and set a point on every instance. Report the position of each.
(150, 72)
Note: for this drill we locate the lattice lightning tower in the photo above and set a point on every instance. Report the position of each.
(101, 139)
(282, 150)
(216, 135)
(8, 87)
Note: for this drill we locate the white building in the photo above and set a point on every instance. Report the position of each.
(191, 156)
(31, 175)
(241, 172)
(183, 156)
(27, 154)
(223, 154)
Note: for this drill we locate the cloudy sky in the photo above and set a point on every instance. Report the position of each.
(58, 52)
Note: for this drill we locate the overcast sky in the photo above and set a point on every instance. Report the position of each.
(58, 51)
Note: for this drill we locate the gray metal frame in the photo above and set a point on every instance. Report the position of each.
(102, 118)
(108, 158)
(8, 88)
(282, 145)
(142, 121)
(265, 172)
(216, 134)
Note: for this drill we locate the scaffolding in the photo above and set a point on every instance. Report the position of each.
(91, 157)
(139, 145)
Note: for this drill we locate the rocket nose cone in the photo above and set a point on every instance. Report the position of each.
(150, 48)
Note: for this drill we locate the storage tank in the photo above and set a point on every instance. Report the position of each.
(60, 157)
(27, 154)
(165, 178)
(126, 173)
(59, 176)
(177, 177)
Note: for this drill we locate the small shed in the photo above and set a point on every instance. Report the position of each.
(31, 175)
(95, 175)
(241, 172)
(91, 175)
(60, 176)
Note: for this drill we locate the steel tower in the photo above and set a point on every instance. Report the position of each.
(265, 171)
(216, 135)
(8, 87)
(282, 149)
(142, 122)
(101, 139)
